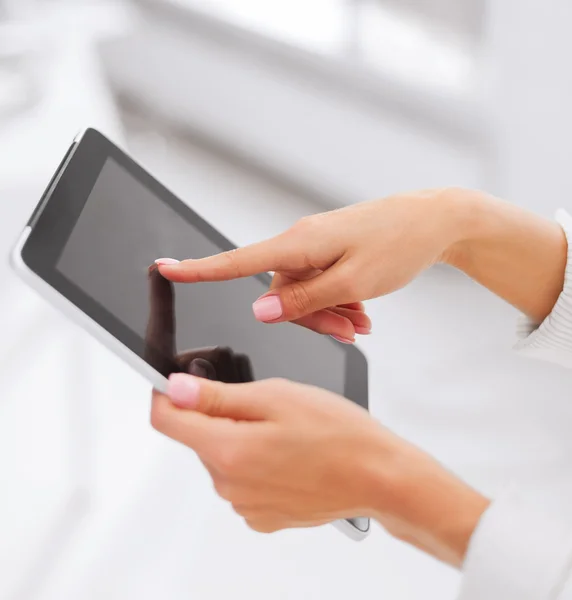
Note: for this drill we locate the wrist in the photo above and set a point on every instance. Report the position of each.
(467, 215)
(515, 253)
(419, 502)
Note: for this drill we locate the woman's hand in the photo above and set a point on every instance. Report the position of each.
(289, 455)
(326, 264)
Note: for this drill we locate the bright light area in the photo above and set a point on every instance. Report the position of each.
(409, 48)
(315, 24)
(402, 44)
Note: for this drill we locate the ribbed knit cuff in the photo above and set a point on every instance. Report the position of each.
(552, 339)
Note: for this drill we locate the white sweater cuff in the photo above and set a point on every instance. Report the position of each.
(552, 339)
(517, 553)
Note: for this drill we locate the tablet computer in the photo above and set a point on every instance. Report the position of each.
(89, 248)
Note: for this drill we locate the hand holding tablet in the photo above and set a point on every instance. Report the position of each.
(268, 456)
(101, 205)
(287, 450)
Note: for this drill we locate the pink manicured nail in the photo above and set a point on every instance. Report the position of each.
(343, 340)
(167, 261)
(268, 308)
(362, 330)
(183, 390)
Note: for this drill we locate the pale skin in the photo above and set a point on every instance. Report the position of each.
(288, 455)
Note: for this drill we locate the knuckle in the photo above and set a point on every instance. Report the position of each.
(239, 509)
(345, 285)
(448, 192)
(160, 415)
(215, 401)
(232, 263)
(224, 489)
(231, 460)
(299, 299)
(276, 383)
(243, 510)
(304, 224)
(266, 527)
(270, 388)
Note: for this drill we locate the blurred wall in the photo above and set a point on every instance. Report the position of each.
(100, 506)
(313, 121)
(526, 92)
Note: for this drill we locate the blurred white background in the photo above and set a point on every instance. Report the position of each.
(257, 113)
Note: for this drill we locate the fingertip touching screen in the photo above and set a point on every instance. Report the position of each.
(204, 328)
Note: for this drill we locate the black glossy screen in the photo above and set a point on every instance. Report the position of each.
(121, 230)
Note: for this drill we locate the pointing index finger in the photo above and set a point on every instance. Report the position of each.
(262, 257)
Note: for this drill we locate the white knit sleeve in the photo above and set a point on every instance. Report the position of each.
(552, 339)
(519, 551)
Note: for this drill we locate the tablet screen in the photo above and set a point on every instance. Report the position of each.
(124, 227)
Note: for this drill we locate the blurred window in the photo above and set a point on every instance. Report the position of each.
(315, 24)
(416, 46)
(427, 42)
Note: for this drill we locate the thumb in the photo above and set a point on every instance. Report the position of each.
(301, 298)
(239, 402)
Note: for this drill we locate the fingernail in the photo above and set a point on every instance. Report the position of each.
(343, 340)
(167, 261)
(202, 368)
(362, 330)
(183, 390)
(268, 308)
(198, 370)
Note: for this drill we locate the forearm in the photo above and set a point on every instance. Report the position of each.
(519, 256)
(420, 502)
(516, 254)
